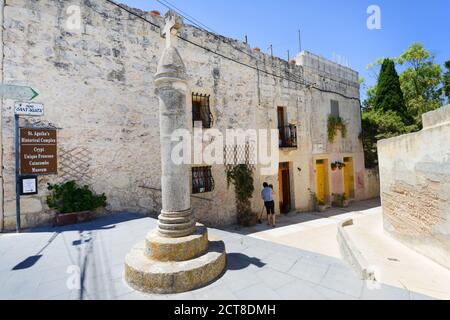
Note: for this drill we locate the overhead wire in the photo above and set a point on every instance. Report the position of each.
(300, 82)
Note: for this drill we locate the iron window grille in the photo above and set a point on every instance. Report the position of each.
(201, 110)
(202, 180)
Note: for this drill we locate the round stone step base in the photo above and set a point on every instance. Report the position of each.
(177, 249)
(152, 276)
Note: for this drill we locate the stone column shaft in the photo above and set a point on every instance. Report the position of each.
(176, 219)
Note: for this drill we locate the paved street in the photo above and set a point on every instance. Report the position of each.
(395, 263)
(311, 231)
(45, 263)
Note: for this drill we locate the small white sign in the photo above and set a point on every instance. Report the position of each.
(29, 109)
(29, 186)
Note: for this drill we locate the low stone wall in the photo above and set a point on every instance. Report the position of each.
(415, 187)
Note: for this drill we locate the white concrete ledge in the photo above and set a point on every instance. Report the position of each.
(351, 254)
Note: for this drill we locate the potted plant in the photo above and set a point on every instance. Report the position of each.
(333, 166)
(321, 206)
(72, 203)
(340, 200)
(344, 200)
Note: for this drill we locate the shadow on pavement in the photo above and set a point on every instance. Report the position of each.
(239, 261)
(101, 223)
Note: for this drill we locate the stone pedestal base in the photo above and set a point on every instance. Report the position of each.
(174, 265)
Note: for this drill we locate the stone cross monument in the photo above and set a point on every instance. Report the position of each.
(171, 86)
(177, 256)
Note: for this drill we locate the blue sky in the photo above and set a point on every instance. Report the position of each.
(328, 27)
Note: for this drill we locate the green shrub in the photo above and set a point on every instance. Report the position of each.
(68, 197)
(316, 201)
(339, 199)
(241, 176)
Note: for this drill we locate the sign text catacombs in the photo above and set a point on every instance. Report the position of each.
(38, 151)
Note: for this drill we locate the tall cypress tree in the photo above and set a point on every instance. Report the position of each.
(447, 81)
(389, 95)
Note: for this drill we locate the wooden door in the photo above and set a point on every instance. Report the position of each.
(284, 187)
(321, 186)
(348, 178)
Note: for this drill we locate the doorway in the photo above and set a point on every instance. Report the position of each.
(284, 181)
(348, 178)
(322, 180)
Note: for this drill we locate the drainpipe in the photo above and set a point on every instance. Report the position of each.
(2, 193)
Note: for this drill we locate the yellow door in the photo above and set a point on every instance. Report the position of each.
(320, 180)
(348, 177)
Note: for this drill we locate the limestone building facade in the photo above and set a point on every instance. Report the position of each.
(93, 64)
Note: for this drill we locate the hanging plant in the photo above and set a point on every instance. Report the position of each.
(241, 176)
(334, 124)
(337, 165)
(340, 165)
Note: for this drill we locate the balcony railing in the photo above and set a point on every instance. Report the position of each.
(288, 136)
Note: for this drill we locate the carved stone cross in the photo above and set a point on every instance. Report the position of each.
(173, 23)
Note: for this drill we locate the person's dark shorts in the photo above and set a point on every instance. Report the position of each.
(270, 207)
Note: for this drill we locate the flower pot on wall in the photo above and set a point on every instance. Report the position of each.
(63, 219)
(248, 221)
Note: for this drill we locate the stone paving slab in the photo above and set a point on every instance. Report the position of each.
(45, 263)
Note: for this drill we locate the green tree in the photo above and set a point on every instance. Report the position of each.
(378, 124)
(446, 81)
(420, 81)
(369, 103)
(395, 104)
(385, 114)
(389, 95)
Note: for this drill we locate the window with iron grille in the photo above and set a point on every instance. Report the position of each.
(202, 180)
(201, 110)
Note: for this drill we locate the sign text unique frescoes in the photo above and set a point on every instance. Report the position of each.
(38, 151)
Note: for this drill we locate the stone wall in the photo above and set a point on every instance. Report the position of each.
(415, 186)
(97, 87)
(372, 183)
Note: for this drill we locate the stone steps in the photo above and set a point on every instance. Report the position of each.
(153, 276)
